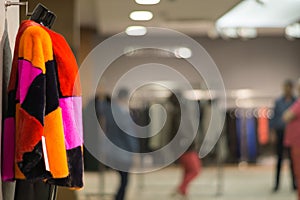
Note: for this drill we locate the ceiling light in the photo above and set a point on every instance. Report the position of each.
(183, 52)
(136, 30)
(247, 32)
(147, 2)
(229, 32)
(293, 30)
(141, 15)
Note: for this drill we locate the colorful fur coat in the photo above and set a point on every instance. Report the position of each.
(42, 137)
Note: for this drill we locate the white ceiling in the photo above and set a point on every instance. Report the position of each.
(262, 13)
(189, 16)
(194, 17)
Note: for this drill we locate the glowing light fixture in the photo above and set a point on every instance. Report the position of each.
(183, 52)
(293, 30)
(147, 2)
(229, 32)
(136, 30)
(141, 15)
(247, 32)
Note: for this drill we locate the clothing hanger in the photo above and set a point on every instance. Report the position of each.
(43, 15)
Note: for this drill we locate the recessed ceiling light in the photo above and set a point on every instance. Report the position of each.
(229, 33)
(293, 30)
(136, 30)
(183, 52)
(247, 33)
(147, 2)
(141, 15)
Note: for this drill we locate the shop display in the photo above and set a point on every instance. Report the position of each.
(43, 136)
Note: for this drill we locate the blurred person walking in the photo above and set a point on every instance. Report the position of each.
(292, 138)
(191, 167)
(189, 161)
(119, 137)
(277, 126)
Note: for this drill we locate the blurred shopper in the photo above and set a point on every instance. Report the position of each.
(292, 138)
(277, 126)
(189, 161)
(191, 167)
(119, 137)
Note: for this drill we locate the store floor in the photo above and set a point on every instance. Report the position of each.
(244, 182)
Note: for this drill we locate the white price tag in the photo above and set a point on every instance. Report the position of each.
(45, 153)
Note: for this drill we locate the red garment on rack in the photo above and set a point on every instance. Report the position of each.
(263, 126)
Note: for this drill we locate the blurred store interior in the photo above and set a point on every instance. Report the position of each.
(255, 47)
(255, 50)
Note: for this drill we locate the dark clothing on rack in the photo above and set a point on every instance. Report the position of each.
(252, 141)
(232, 139)
(247, 139)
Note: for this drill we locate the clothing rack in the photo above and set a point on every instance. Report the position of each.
(40, 14)
(12, 3)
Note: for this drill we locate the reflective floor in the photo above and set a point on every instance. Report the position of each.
(232, 183)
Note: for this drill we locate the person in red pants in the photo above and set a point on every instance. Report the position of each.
(191, 165)
(189, 160)
(292, 137)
